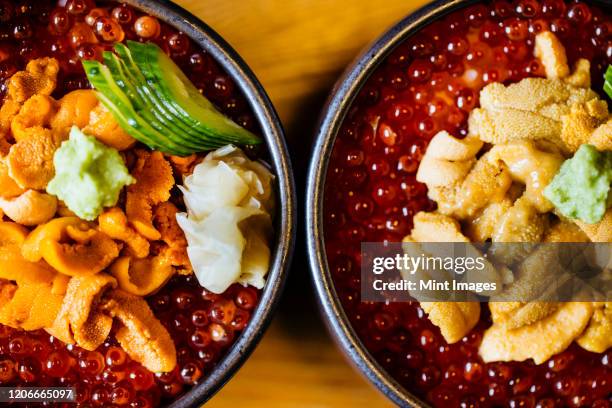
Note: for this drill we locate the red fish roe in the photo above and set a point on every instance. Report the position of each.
(107, 376)
(83, 30)
(430, 83)
(202, 325)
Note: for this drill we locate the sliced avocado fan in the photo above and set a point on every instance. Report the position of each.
(154, 102)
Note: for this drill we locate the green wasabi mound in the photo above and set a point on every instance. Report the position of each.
(581, 188)
(88, 175)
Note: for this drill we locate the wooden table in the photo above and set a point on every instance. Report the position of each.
(298, 48)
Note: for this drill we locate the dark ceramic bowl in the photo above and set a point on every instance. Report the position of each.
(332, 117)
(285, 217)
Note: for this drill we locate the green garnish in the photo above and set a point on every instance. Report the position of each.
(88, 175)
(155, 103)
(581, 188)
(608, 82)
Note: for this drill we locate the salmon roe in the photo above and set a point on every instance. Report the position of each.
(203, 325)
(430, 83)
(83, 30)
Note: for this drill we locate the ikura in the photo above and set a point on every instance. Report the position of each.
(83, 30)
(430, 83)
(202, 325)
(108, 376)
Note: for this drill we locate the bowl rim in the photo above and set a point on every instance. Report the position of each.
(286, 218)
(332, 116)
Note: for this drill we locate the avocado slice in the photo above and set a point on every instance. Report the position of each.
(140, 106)
(120, 106)
(183, 99)
(156, 106)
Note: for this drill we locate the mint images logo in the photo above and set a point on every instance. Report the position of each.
(508, 272)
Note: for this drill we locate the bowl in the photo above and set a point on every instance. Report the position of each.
(285, 219)
(333, 114)
(276, 155)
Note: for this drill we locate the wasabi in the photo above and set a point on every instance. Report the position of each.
(581, 188)
(88, 175)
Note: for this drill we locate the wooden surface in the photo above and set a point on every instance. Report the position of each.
(297, 49)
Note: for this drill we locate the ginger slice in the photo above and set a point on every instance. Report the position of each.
(142, 335)
(30, 161)
(455, 319)
(597, 337)
(154, 181)
(79, 319)
(538, 341)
